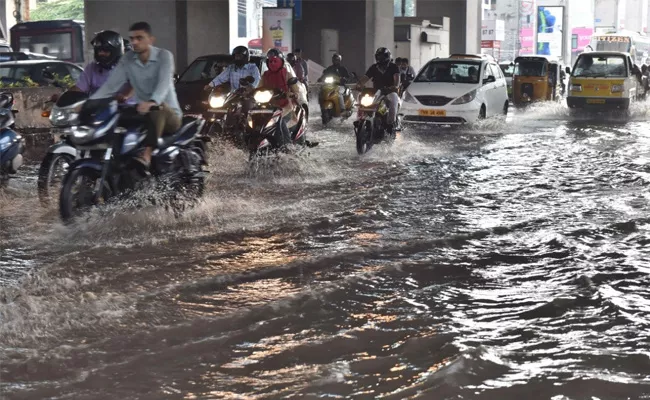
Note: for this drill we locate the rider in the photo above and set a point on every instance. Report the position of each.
(150, 70)
(385, 76)
(236, 72)
(108, 47)
(277, 77)
(291, 59)
(339, 70)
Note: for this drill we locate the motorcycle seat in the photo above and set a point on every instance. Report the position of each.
(187, 124)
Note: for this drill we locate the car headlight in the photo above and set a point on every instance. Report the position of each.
(576, 87)
(263, 96)
(5, 142)
(408, 98)
(617, 88)
(367, 100)
(217, 101)
(466, 98)
(329, 79)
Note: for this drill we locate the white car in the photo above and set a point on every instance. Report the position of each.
(448, 91)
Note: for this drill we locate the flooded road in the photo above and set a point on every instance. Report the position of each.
(506, 261)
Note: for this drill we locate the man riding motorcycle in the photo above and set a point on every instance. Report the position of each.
(336, 69)
(108, 48)
(385, 75)
(235, 73)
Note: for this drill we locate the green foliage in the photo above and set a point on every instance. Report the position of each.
(26, 82)
(61, 9)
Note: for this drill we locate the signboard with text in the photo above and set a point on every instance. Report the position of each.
(277, 29)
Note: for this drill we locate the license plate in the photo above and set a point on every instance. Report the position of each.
(433, 113)
(595, 101)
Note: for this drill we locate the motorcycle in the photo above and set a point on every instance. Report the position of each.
(329, 100)
(371, 126)
(229, 111)
(113, 136)
(264, 128)
(60, 155)
(12, 144)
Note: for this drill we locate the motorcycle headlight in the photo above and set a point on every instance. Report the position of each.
(617, 88)
(5, 142)
(408, 98)
(329, 79)
(62, 116)
(263, 96)
(466, 98)
(81, 134)
(217, 101)
(367, 100)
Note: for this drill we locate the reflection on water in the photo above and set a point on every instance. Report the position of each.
(486, 262)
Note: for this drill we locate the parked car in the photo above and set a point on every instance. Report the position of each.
(189, 85)
(456, 90)
(39, 71)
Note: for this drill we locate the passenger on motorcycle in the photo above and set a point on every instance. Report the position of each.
(385, 76)
(338, 70)
(108, 47)
(277, 77)
(236, 72)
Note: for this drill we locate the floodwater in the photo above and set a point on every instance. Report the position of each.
(506, 261)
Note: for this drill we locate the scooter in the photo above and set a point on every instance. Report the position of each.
(12, 144)
(329, 100)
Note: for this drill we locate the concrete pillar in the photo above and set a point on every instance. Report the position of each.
(473, 23)
(187, 28)
(457, 11)
(380, 27)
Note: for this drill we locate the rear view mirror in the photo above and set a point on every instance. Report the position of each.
(568, 70)
(250, 79)
(176, 77)
(489, 79)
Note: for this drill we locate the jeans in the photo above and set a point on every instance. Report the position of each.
(392, 101)
(161, 121)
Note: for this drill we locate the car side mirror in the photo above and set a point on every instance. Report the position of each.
(292, 81)
(489, 79)
(567, 70)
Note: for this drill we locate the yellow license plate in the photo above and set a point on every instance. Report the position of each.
(433, 113)
(595, 101)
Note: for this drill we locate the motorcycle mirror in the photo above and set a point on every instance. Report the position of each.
(293, 81)
(176, 77)
(250, 79)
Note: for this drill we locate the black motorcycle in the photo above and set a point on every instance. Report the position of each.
(228, 112)
(371, 126)
(61, 154)
(113, 136)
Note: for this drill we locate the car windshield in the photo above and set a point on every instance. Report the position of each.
(603, 66)
(507, 69)
(207, 68)
(531, 68)
(450, 71)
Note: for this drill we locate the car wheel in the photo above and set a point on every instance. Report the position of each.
(505, 108)
(482, 113)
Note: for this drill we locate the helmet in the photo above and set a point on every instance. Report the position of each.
(110, 42)
(291, 58)
(242, 51)
(337, 56)
(274, 63)
(382, 56)
(274, 53)
(127, 45)
(6, 100)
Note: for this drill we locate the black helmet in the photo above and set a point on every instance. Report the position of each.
(337, 56)
(6, 100)
(382, 56)
(274, 53)
(127, 45)
(243, 51)
(110, 42)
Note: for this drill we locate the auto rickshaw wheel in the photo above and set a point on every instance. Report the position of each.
(505, 108)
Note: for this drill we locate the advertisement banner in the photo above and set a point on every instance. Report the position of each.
(277, 29)
(527, 14)
(549, 30)
(527, 41)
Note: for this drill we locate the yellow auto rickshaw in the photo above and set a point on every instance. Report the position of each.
(536, 78)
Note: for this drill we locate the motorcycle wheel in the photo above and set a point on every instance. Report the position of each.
(73, 203)
(49, 179)
(364, 139)
(326, 116)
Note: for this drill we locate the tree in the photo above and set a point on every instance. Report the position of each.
(61, 9)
